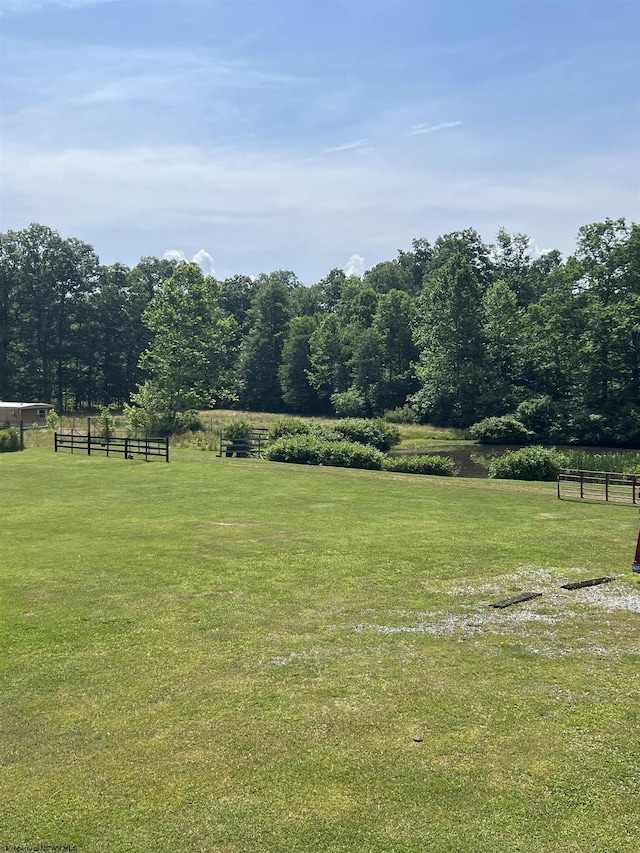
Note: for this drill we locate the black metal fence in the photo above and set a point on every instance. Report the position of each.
(253, 445)
(574, 484)
(110, 445)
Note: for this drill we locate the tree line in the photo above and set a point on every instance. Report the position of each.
(448, 333)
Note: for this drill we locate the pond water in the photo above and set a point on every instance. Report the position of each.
(473, 460)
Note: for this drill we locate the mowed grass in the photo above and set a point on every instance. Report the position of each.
(233, 655)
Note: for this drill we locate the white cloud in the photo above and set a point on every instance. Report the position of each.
(272, 210)
(348, 146)
(96, 96)
(532, 249)
(202, 258)
(204, 261)
(174, 255)
(418, 129)
(355, 265)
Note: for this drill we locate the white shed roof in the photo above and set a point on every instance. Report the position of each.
(8, 405)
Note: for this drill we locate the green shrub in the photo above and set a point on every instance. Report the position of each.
(152, 413)
(530, 463)
(189, 421)
(106, 422)
(376, 432)
(348, 404)
(147, 415)
(9, 440)
(504, 430)
(302, 449)
(350, 454)
(310, 450)
(53, 421)
(401, 415)
(161, 425)
(238, 430)
(196, 440)
(325, 432)
(164, 425)
(389, 434)
(289, 426)
(543, 417)
(442, 466)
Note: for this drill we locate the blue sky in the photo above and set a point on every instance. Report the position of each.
(312, 134)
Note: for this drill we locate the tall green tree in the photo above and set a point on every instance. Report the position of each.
(330, 288)
(514, 266)
(603, 257)
(629, 320)
(451, 368)
(467, 244)
(357, 305)
(554, 327)
(9, 283)
(52, 278)
(145, 279)
(236, 297)
(504, 341)
(188, 355)
(113, 327)
(416, 264)
(393, 322)
(389, 275)
(297, 392)
(329, 354)
(367, 369)
(261, 351)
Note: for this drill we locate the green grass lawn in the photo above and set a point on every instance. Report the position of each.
(235, 655)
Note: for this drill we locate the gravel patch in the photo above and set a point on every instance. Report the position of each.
(557, 607)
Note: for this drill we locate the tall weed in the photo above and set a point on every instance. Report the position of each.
(619, 461)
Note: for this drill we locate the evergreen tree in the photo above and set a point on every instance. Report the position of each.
(261, 352)
(51, 279)
(297, 392)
